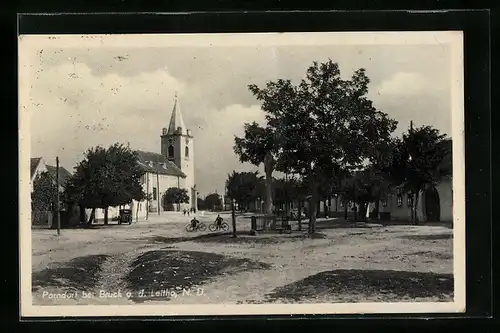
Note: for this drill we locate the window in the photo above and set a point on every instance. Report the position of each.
(342, 203)
(140, 207)
(154, 193)
(409, 200)
(170, 151)
(384, 203)
(186, 152)
(400, 200)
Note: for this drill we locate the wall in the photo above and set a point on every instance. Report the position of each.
(445, 190)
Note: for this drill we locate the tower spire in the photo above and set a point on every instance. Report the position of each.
(176, 124)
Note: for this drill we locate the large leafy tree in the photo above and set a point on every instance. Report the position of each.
(321, 127)
(44, 193)
(175, 195)
(244, 188)
(106, 178)
(364, 187)
(419, 161)
(213, 201)
(257, 147)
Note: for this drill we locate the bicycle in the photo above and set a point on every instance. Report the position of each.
(199, 226)
(216, 227)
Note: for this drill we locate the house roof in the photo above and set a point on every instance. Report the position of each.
(64, 174)
(33, 165)
(149, 162)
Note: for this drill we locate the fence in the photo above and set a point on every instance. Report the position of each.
(269, 223)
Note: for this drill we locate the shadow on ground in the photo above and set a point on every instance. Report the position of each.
(342, 285)
(78, 274)
(428, 237)
(173, 272)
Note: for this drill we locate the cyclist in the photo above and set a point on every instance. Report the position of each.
(218, 221)
(194, 222)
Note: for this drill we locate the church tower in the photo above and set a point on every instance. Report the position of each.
(177, 145)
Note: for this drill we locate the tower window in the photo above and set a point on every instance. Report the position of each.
(186, 152)
(170, 151)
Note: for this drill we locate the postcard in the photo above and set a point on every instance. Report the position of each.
(242, 174)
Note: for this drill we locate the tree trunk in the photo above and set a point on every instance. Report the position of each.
(313, 207)
(362, 211)
(82, 213)
(318, 208)
(137, 212)
(345, 210)
(377, 209)
(106, 216)
(299, 218)
(92, 216)
(415, 204)
(233, 218)
(268, 167)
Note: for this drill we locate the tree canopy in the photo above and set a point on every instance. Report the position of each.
(420, 160)
(44, 193)
(320, 128)
(106, 178)
(244, 187)
(175, 195)
(213, 201)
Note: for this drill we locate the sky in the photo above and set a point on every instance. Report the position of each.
(82, 97)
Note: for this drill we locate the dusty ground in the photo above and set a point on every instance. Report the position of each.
(158, 261)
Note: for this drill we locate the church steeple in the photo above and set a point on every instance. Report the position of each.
(176, 125)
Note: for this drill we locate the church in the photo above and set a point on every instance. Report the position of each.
(172, 167)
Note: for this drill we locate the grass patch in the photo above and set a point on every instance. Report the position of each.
(264, 238)
(78, 274)
(429, 237)
(390, 285)
(165, 270)
(432, 254)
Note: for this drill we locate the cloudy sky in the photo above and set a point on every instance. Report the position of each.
(81, 97)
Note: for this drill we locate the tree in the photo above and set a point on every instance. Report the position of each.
(175, 195)
(419, 162)
(106, 178)
(213, 201)
(201, 204)
(364, 187)
(244, 187)
(320, 128)
(44, 195)
(257, 147)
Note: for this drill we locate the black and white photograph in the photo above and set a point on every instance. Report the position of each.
(224, 174)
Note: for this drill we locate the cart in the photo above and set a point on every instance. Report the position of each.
(125, 216)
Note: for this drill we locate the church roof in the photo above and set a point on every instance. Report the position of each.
(176, 120)
(149, 162)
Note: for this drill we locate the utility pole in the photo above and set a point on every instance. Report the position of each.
(147, 195)
(57, 198)
(158, 184)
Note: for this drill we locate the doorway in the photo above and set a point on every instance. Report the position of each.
(432, 205)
